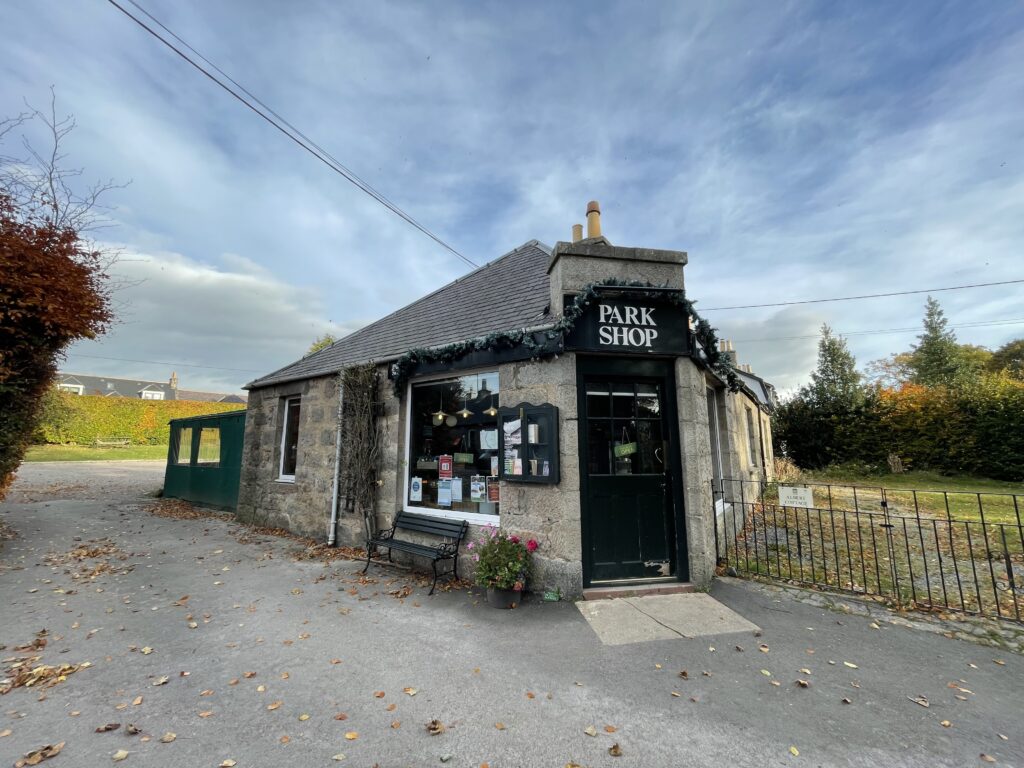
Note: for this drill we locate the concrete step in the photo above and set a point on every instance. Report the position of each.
(637, 590)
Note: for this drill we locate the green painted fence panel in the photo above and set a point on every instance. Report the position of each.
(204, 459)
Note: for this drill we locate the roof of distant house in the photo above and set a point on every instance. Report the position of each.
(508, 293)
(107, 386)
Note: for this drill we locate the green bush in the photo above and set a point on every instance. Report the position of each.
(82, 419)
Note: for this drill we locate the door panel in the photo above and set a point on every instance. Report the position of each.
(628, 486)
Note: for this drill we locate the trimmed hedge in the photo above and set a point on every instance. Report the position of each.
(82, 419)
(977, 429)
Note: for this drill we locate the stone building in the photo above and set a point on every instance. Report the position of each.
(568, 394)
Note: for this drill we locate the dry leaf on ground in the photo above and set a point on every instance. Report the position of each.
(590, 730)
(120, 755)
(615, 750)
(108, 727)
(168, 737)
(435, 727)
(352, 735)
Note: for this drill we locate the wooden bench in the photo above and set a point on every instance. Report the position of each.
(450, 531)
(112, 442)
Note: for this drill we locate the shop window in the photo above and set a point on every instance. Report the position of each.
(209, 446)
(290, 439)
(184, 447)
(624, 424)
(453, 445)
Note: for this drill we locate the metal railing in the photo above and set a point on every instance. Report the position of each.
(938, 550)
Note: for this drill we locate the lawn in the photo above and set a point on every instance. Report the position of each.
(87, 453)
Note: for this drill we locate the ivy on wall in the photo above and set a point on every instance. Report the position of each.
(406, 365)
(364, 437)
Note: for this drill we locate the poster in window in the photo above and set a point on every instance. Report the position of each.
(477, 488)
(488, 440)
(493, 489)
(445, 466)
(444, 493)
(415, 489)
(456, 490)
(494, 465)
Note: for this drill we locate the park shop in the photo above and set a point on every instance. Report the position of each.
(571, 395)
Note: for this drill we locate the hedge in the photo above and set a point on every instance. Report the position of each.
(82, 419)
(977, 429)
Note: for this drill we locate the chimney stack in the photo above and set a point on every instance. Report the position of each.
(174, 380)
(577, 232)
(593, 219)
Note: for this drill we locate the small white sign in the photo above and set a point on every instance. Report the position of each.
(415, 489)
(792, 496)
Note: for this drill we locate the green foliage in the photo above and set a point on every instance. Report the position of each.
(82, 419)
(1009, 358)
(502, 560)
(937, 359)
(546, 343)
(835, 383)
(322, 342)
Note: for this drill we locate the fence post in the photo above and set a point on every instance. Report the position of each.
(891, 546)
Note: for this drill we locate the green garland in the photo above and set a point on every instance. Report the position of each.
(404, 367)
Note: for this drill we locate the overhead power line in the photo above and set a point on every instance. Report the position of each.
(914, 329)
(163, 362)
(280, 123)
(865, 296)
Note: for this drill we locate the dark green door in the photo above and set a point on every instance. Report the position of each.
(626, 459)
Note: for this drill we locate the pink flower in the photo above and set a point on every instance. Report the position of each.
(476, 558)
(514, 539)
(531, 546)
(470, 545)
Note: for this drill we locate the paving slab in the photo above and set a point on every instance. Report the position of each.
(625, 620)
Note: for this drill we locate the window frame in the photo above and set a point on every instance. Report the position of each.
(74, 389)
(177, 448)
(287, 401)
(199, 461)
(751, 437)
(474, 518)
(151, 394)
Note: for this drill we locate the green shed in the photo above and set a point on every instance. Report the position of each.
(204, 459)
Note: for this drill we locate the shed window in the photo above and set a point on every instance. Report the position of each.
(184, 452)
(455, 418)
(209, 446)
(290, 438)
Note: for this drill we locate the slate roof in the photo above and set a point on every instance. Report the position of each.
(107, 386)
(761, 389)
(508, 293)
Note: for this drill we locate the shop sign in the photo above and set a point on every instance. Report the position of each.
(445, 467)
(643, 326)
(794, 496)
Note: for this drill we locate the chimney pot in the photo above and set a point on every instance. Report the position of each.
(593, 219)
(577, 232)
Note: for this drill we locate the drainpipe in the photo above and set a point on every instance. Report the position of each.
(335, 490)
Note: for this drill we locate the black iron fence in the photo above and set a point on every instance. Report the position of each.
(940, 550)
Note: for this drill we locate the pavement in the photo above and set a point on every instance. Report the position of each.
(221, 636)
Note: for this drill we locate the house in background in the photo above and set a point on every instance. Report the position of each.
(105, 386)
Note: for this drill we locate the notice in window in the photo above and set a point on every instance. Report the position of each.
(444, 493)
(416, 489)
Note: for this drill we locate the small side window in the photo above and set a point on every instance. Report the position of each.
(209, 446)
(184, 452)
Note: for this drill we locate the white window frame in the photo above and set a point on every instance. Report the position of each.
(76, 389)
(151, 394)
(451, 514)
(281, 476)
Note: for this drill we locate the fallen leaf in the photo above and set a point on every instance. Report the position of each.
(120, 755)
(499, 726)
(610, 729)
(1003, 736)
(285, 739)
(657, 666)
(339, 757)
(261, 688)
(922, 700)
(766, 673)
(850, 665)
(763, 648)
(229, 763)
(132, 730)
(794, 751)
(410, 691)
(207, 692)
(873, 625)
(986, 758)
(676, 694)
(685, 675)
(335, 661)
(1000, 662)
(352, 735)
(303, 717)
(193, 625)
(168, 737)
(5, 732)
(590, 730)
(396, 724)
(529, 695)
(435, 727)
(248, 675)
(136, 701)
(391, 707)
(378, 695)
(945, 724)
(274, 705)
(739, 648)
(846, 701)
(207, 713)
(121, 707)
(615, 750)
(146, 651)
(803, 683)
(341, 716)
(36, 756)
(776, 683)
(108, 727)
(161, 680)
(233, 681)
(805, 671)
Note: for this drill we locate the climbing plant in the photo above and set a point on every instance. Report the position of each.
(363, 438)
(406, 365)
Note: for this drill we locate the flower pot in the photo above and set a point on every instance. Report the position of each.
(503, 598)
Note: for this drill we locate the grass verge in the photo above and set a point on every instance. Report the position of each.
(87, 453)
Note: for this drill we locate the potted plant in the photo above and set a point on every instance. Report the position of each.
(502, 566)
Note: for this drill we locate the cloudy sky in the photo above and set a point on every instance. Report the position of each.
(794, 150)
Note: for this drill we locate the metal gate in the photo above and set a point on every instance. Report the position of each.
(940, 550)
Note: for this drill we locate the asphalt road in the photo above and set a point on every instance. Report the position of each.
(319, 645)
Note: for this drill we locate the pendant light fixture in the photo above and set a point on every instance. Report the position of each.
(440, 416)
(492, 411)
(465, 413)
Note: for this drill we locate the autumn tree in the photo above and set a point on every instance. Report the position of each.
(1009, 358)
(54, 284)
(322, 342)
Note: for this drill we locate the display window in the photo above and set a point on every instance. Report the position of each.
(453, 446)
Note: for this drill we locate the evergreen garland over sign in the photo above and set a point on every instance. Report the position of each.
(404, 367)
